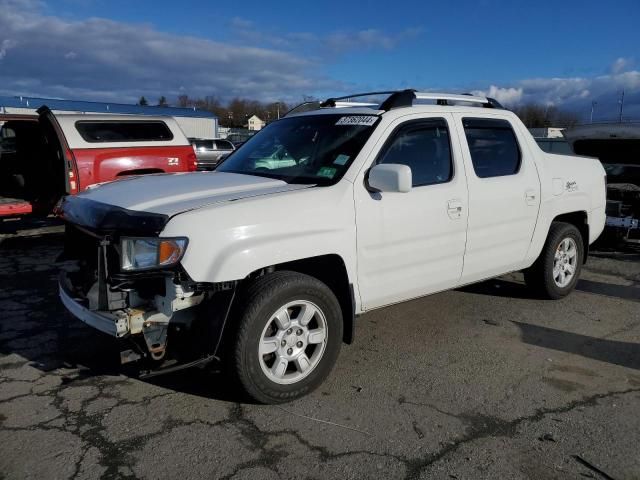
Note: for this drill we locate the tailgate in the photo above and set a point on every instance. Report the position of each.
(10, 207)
(55, 135)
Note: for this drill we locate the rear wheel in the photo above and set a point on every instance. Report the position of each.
(556, 271)
(288, 338)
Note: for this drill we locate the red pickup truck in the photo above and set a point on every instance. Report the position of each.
(46, 156)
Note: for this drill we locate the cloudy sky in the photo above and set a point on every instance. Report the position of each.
(568, 54)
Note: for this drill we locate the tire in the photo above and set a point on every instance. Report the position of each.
(262, 319)
(541, 276)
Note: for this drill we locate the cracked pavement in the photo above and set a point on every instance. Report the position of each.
(482, 382)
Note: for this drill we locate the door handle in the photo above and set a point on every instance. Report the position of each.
(454, 209)
(530, 197)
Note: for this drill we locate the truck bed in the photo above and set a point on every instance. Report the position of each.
(14, 206)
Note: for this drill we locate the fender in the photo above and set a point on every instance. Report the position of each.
(222, 249)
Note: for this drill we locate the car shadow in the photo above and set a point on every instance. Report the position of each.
(624, 292)
(209, 382)
(497, 287)
(506, 288)
(13, 226)
(629, 251)
(35, 326)
(625, 354)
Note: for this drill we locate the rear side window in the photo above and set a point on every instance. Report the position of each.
(493, 146)
(223, 145)
(123, 131)
(7, 139)
(203, 144)
(424, 147)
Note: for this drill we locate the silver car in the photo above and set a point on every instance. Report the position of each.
(210, 152)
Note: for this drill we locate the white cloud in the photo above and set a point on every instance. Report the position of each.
(5, 45)
(620, 65)
(116, 61)
(241, 23)
(574, 93)
(329, 44)
(506, 96)
(366, 39)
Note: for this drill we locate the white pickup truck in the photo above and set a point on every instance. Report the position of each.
(335, 210)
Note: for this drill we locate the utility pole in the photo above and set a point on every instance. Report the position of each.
(621, 102)
(593, 104)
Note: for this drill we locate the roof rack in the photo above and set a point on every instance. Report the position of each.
(355, 104)
(398, 99)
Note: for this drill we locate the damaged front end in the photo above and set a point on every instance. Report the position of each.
(157, 312)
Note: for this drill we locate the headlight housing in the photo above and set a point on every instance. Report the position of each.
(139, 253)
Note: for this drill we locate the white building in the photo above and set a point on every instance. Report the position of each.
(255, 123)
(547, 132)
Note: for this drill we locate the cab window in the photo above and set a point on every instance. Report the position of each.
(424, 147)
(493, 147)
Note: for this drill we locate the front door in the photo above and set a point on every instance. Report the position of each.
(411, 244)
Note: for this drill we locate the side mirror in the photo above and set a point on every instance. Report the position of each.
(390, 177)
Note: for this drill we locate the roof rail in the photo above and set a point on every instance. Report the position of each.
(397, 99)
(304, 107)
(331, 102)
(355, 104)
(449, 97)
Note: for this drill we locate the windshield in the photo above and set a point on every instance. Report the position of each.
(309, 149)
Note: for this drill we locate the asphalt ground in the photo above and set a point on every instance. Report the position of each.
(483, 382)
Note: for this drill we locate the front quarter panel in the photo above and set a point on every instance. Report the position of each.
(228, 241)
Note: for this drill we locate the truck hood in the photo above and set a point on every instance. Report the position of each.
(170, 194)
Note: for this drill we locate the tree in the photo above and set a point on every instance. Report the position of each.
(240, 111)
(237, 111)
(540, 116)
(143, 101)
(275, 110)
(183, 101)
(162, 102)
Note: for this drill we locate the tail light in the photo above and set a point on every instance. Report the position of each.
(192, 164)
(73, 181)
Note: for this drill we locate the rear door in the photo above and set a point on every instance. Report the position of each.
(504, 196)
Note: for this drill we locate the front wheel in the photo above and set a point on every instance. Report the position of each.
(556, 271)
(288, 338)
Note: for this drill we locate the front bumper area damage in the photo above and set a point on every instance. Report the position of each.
(106, 322)
(160, 316)
(146, 318)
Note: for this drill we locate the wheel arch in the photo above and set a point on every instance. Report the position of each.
(580, 220)
(331, 270)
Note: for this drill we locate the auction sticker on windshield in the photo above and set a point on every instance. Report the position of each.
(366, 120)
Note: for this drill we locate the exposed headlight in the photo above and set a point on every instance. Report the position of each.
(149, 253)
